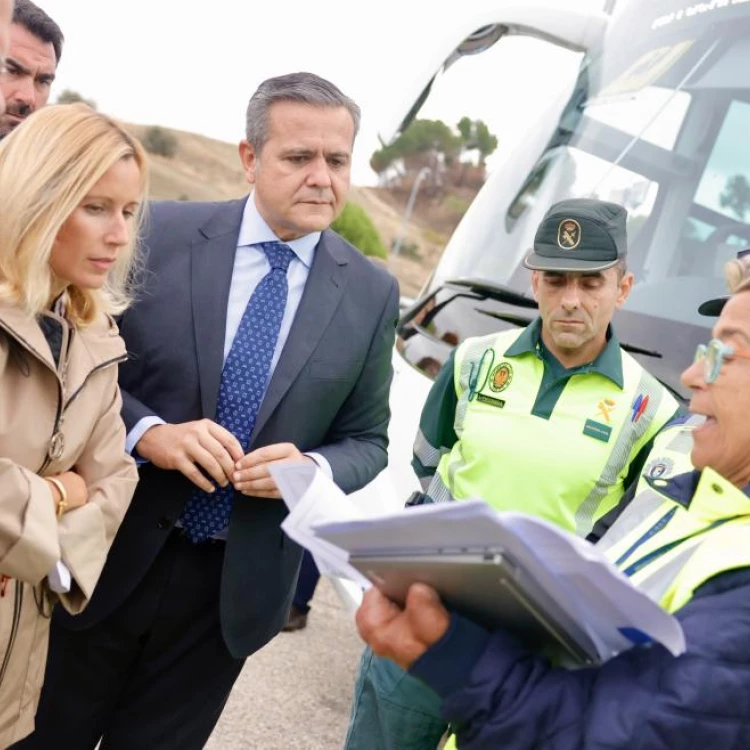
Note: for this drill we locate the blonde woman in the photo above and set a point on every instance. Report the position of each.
(71, 188)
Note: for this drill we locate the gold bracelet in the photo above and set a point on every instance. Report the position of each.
(62, 503)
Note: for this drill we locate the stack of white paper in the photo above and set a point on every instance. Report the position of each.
(572, 572)
(312, 498)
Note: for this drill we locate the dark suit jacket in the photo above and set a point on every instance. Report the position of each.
(328, 393)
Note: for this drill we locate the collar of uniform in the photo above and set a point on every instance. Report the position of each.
(679, 488)
(705, 493)
(255, 230)
(608, 363)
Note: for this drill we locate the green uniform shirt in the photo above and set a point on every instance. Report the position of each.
(505, 421)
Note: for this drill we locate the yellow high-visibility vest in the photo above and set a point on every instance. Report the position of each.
(559, 450)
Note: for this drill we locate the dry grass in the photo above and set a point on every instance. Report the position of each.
(202, 170)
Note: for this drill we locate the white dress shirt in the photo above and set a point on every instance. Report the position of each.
(250, 266)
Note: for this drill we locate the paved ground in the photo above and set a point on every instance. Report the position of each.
(295, 693)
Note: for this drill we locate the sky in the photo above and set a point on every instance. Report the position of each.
(193, 66)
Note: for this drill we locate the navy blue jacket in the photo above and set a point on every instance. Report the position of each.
(499, 695)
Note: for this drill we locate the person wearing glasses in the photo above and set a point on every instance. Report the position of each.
(684, 541)
(670, 454)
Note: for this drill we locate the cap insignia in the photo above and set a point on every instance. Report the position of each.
(569, 234)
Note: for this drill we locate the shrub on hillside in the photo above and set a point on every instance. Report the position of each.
(159, 141)
(355, 225)
(73, 97)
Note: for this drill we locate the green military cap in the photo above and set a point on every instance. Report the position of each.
(580, 235)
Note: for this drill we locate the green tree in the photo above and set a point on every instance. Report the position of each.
(355, 225)
(68, 96)
(421, 137)
(465, 128)
(424, 137)
(736, 195)
(476, 135)
(382, 159)
(160, 141)
(486, 141)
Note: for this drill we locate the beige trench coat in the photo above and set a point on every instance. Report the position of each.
(52, 420)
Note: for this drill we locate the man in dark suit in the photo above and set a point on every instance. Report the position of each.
(260, 335)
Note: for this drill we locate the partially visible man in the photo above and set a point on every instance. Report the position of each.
(32, 59)
(260, 335)
(6, 13)
(683, 541)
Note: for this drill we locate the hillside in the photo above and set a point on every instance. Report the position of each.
(202, 170)
(206, 169)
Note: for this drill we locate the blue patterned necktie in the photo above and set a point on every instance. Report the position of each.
(243, 383)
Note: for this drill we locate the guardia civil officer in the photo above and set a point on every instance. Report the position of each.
(555, 420)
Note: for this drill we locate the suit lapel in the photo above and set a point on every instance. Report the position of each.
(323, 291)
(211, 266)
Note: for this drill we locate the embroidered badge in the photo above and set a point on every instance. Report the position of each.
(597, 430)
(657, 468)
(569, 234)
(501, 377)
(639, 407)
(606, 406)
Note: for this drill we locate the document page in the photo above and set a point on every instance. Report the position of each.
(312, 499)
(573, 573)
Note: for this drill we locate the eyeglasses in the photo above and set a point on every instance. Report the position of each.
(715, 355)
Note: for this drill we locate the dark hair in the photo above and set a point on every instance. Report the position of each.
(305, 88)
(38, 23)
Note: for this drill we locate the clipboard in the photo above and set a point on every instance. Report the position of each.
(490, 589)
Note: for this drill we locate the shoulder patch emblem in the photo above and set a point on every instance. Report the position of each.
(659, 467)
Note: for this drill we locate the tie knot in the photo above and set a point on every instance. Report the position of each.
(279, 255)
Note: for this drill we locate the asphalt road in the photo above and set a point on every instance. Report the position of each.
(295, 693)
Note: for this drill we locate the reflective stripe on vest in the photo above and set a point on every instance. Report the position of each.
(438, 491)
(501, 455)
(682, 443)
(428, 455)
(710, 537)
(473, 370)
(620, 455)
